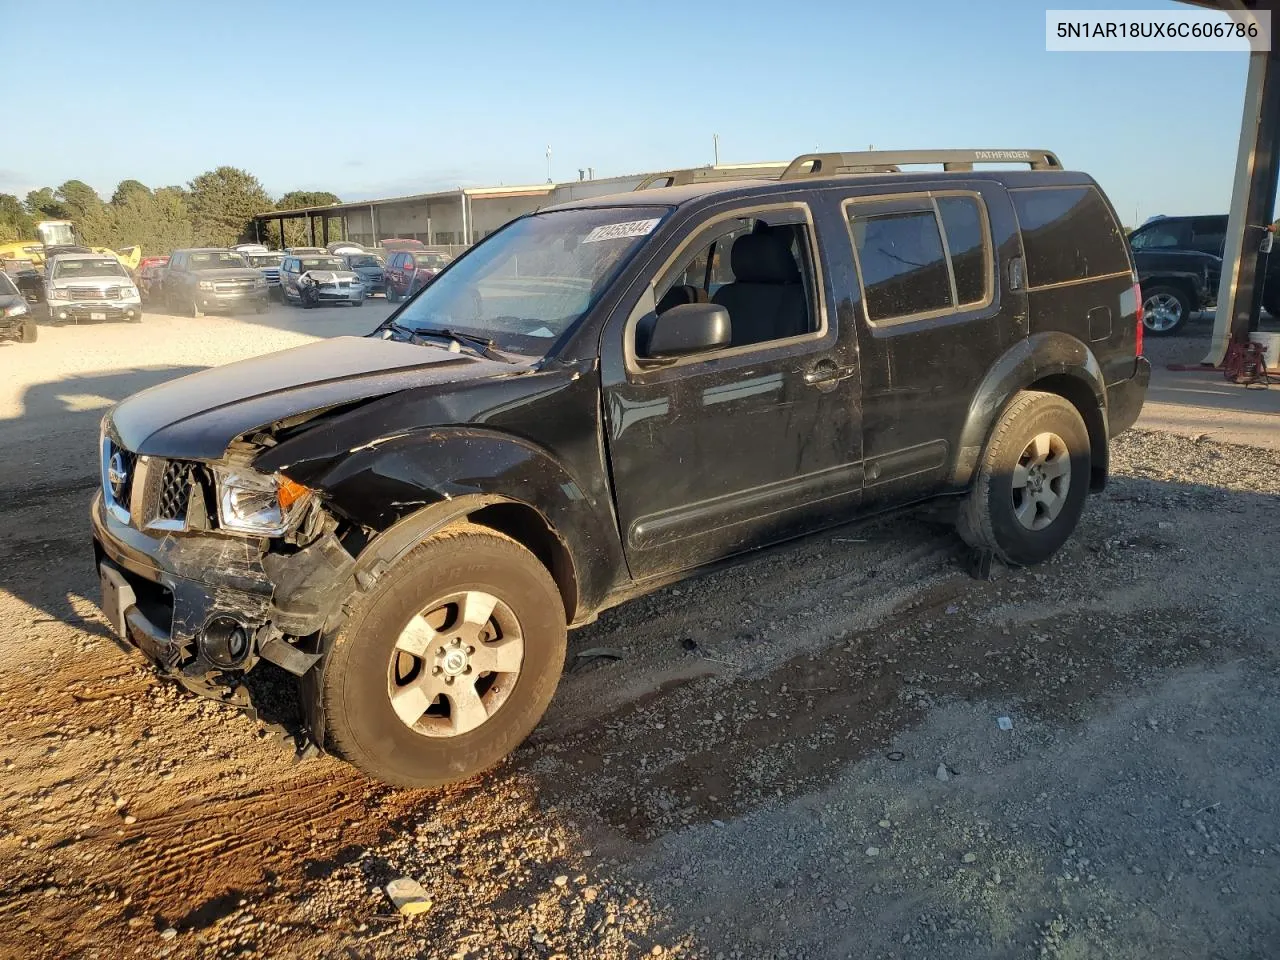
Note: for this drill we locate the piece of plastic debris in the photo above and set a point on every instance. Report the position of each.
(408, 896)
(969, 858)
(952, 609)
(943, 773)
(717, 823)
(595, 653)
(895, 755)
(1004, 723)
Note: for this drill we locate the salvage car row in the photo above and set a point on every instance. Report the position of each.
(77, 287)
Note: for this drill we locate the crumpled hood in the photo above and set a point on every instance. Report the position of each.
(330, 276)
(196, 417)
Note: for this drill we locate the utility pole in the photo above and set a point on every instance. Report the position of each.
(715, 144)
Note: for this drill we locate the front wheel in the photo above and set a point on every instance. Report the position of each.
(29, 331)
(193, 308)
(1030, 488)
(1165, 310)
(448, 663)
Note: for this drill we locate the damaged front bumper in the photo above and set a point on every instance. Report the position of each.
(205, 608)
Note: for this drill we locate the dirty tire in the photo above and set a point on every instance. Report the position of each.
(136, 318)
(29, 331)
(193, 309)
(361, 725)
(987, 519)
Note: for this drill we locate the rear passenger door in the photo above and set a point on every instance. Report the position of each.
(932, 320)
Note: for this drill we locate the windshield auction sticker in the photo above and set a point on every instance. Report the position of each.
(617, 231)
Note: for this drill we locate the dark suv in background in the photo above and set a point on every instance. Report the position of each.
(1179, 261)
(600, 398)
(211, 278)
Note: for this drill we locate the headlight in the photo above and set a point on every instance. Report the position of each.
(17, 310)
(205, 284)
(252, 502)
(128, 293)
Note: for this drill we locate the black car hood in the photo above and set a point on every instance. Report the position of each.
(196, 417)
(8, 300)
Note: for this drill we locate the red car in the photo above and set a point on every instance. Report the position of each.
(408, 271)
(150, 276)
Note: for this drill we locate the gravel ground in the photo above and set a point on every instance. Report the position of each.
(797, 756)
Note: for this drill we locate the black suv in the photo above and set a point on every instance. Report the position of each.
(1179, 261)
(211, 278)
(600, 398)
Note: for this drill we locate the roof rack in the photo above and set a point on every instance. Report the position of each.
(732, 171)
(890, 161)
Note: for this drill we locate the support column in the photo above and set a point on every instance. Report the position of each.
(1253, 198)
(373, 223)
(311, 220)
(281, 222)
(465, 226)
(324, 229)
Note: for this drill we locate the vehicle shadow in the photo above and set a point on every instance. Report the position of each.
(49, 471)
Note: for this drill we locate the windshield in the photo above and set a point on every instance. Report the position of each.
(106, 267)
(531, 281)
(216, 260)
(322, 263)
(366, 260)
(264, 259)
(437, 261)
(7, 289)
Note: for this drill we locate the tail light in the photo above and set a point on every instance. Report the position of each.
(1137, 296)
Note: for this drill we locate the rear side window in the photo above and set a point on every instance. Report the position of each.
(921, 256)
(966, 241)
(904, 270)
(1068, 234)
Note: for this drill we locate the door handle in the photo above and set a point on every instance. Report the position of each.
(826, 372)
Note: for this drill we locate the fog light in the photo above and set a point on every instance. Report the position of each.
(62, 314)
(225, 642)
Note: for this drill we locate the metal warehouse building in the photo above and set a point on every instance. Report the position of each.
(460, 217)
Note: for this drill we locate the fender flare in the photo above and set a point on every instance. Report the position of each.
(1041, 356)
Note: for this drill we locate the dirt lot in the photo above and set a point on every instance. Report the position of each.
(794, 757)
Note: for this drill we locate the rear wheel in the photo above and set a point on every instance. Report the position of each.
(1165, 310)
(1030, 488)
(448, 663)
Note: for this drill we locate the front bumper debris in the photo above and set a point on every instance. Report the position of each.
(167, 597)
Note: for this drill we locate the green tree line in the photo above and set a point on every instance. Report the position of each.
(215, 209)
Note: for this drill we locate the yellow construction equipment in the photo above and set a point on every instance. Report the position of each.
(55, 234)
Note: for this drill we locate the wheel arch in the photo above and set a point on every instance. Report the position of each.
(1053, 362)
(518, 520)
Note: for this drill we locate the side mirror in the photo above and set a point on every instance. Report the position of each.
(689, 328)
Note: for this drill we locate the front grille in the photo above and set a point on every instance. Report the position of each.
(232, 286)
(175, 491)
(94, 293)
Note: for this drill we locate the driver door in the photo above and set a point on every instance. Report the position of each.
(725, 451)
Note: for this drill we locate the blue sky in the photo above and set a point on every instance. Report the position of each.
(389, 98)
